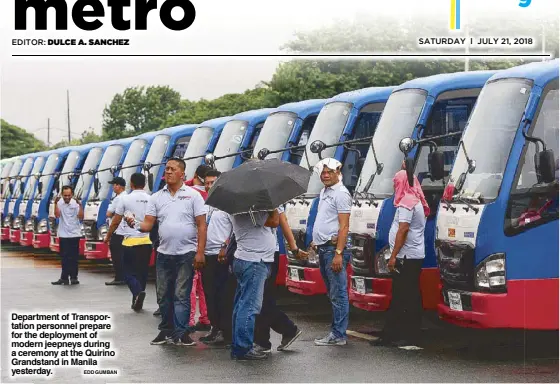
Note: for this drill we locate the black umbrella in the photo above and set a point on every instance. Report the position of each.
(258, 185)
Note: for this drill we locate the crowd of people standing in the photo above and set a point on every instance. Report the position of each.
(228, 263)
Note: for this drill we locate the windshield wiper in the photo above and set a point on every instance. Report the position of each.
(466, 202)
(471, 166)
(379, 169)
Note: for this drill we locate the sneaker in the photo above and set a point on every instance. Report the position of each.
(202, 327)
(139, 301)
(213, 337)
(161, 338)
(288, 340)
(251, 355)
(74, 281)
(330, 339)
(60, 282)
(258, 348)
(157, 312)
(184, 340)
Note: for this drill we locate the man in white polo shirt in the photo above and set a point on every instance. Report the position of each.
(136, 245)
(181, 216)
(330, 234)
(69, 211)
(115, 245)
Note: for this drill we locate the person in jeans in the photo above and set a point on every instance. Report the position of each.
(330, 234)
(406, 242)
(181, 215)
(137, 246)
(271, 317)
(256, 245)
(69, 211)
(119, 186)
(215, 273)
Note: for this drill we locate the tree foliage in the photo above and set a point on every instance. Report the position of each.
(16, 141)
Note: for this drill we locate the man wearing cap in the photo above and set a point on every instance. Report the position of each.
(330, 234)
(137, 246)
(119, 187)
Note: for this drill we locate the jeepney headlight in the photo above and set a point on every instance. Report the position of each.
(381, 259)
(42, 227)
(491, 273)
(102, 232)
(6, 221)
(29, 225)
(17, 223)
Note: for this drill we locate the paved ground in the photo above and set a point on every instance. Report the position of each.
(449, 354)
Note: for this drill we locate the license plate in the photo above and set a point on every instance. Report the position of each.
(89, 247)
(360, 285)
(53, 240)
(22, 235)
(455, 301)
(294, 275)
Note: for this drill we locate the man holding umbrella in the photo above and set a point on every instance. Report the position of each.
(251, 194)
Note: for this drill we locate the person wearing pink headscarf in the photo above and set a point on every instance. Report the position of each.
(406, 242)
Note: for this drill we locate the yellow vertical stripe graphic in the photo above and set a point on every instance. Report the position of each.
(452, 14)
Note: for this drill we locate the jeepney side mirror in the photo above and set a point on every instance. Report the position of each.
(545, 166)
(21, 187)
(263, 153)
(436, 165)
(210, 160)
(96, 185)
(317, 147)
(409, 168)
(11, 187)
(40, 187)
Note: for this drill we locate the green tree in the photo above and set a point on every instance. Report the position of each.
(16, 141)
(138, 110)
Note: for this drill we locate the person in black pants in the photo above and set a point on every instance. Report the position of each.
(69, 211)
(137, 246)
(119, 186)
(271, 317)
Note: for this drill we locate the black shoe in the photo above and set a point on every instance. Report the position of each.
(161, 338)
(139, 301)
(60, 282)
(157, 312)
(252, 355)
(213, 338)
(74, 281)
(202, 327)
(115, 282)
(288, 340)
(185, 340)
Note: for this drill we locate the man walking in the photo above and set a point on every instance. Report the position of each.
(271, 317)
(181, 216)
(330, 234)
(119, 186)
(215, 273)
(137, 246)
(69, 211)
(256, 245)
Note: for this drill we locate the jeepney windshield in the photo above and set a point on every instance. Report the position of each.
(197, 148)
(24, 173)
(398, 121)
(13, 173)
(489, 136)
(157, 151)
(111, 157)
(90, 164)
(328, 128)
(275, 133)
(49, 168)
(132, 159)
(32, 180)
(229, 142)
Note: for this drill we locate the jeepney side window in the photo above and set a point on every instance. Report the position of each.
(306, 128)
(530, 203)
(181, 147)
(365, 125)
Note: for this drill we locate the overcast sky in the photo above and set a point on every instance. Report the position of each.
(34, 89)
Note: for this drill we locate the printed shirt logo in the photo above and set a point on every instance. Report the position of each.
(184, 197)
(450, 232)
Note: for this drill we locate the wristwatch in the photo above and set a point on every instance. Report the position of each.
(338, 252)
